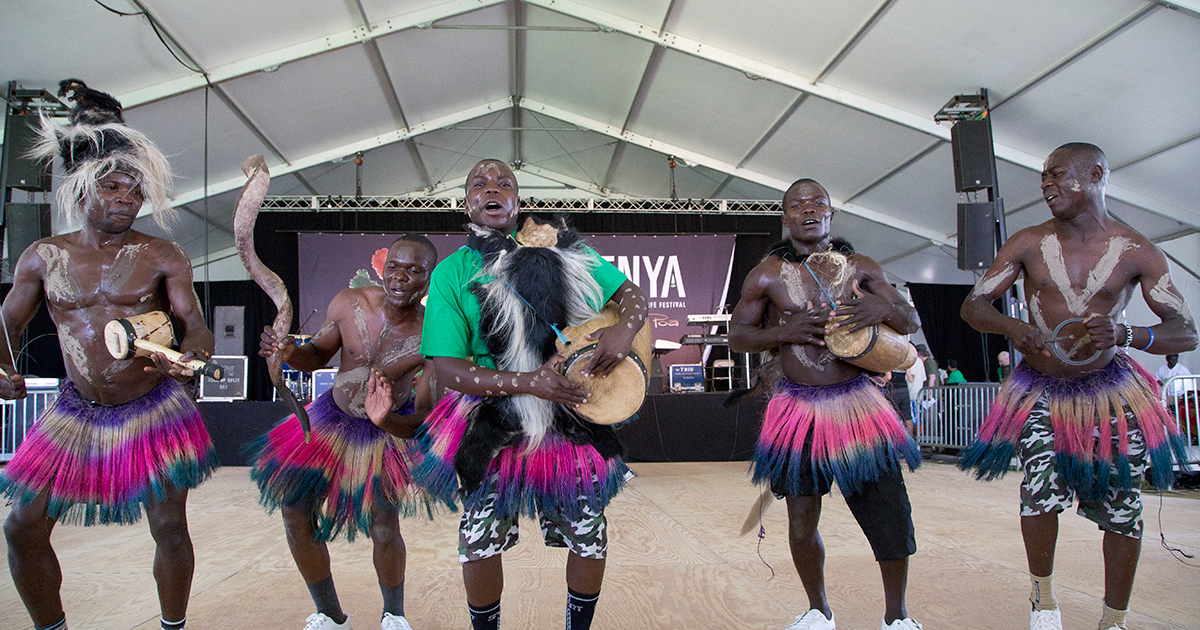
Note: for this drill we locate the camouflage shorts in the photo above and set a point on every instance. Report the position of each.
(482, 533)
(1044, 491)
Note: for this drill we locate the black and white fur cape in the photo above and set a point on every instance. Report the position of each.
(532, 288)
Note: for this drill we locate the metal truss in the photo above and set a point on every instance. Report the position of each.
(405, 203)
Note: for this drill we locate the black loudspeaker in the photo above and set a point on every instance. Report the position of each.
(24, 223)
(971, 143)
(20, 171)
(976, 236)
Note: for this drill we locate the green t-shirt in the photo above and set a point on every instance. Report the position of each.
(452, 316)
(955, 377)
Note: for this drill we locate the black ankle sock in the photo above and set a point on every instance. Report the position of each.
(485, 617)
(580, 610)
(326, 599)
(393, 599)
(173, 625)
(57, 625)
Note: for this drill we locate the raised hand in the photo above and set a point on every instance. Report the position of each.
(378, 403)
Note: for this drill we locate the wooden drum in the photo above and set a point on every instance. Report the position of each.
(120, 334)
(874, 348)
(618, 396)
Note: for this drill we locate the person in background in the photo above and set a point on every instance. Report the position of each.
(953, 375)
(1004, 367)
(916, 382)
(930, 364)
(1173, 368)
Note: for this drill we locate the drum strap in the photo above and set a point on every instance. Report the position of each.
(552, 325)
(818, 281)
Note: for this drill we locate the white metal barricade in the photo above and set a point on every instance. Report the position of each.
(949, 416)
(1181, 397)
(17, 416)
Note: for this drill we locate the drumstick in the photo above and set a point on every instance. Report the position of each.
(211, 370)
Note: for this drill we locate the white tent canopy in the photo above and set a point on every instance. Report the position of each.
(591, 96)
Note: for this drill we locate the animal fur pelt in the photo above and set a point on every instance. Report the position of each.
(95, 144)
(524, 294)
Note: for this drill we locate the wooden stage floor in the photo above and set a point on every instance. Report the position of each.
(675, 561)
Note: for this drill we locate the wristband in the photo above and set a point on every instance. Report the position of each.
(1148, 343)
(1128, 336)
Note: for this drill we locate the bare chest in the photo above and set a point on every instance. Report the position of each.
(77, 279)
(1077, 280)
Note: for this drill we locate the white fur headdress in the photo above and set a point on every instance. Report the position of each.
(98, 142)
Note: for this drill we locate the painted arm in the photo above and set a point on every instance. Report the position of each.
(616, 341)
(978, 310)
(1177, 331)
(747, 332)
(20, 305)
(877, 302)
(476, 380)
(310, 356)
(197, 341)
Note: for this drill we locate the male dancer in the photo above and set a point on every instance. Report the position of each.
(509, 433)
(827, 421)
(352, 476)
(121, 433)
(1058, 415)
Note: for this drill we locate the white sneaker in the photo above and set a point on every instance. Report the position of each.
(1045, 620)
(392, 622)
(901, 624)
(812, 620)
(321, 621)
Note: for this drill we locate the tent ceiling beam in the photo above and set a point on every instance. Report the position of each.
(1158, 150)
(694, 157)
(853, 41)
(347, 149)
(1078, 54)
(1189, 7)
(639, 98)
(516, 80)
(757, 69)
(272, 60)
(389, 93)
(764, 139)
(571, 182)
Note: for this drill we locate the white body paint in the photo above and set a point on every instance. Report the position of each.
(1162, 293)
(60, 285)
(1077, 302)
(988, 283)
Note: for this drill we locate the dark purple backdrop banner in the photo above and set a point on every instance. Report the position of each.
(680, 274)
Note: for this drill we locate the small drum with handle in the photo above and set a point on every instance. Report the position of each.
(150, 333)
(874, 348)
(618, 396)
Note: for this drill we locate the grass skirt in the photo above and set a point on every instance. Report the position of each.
(556, 478)
(100, 463)
(1082, 411)
(349, 465)
(855, 436)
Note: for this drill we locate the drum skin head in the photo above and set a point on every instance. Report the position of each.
(613, 398)
(618, 396)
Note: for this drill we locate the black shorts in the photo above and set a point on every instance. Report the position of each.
(881, 508)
